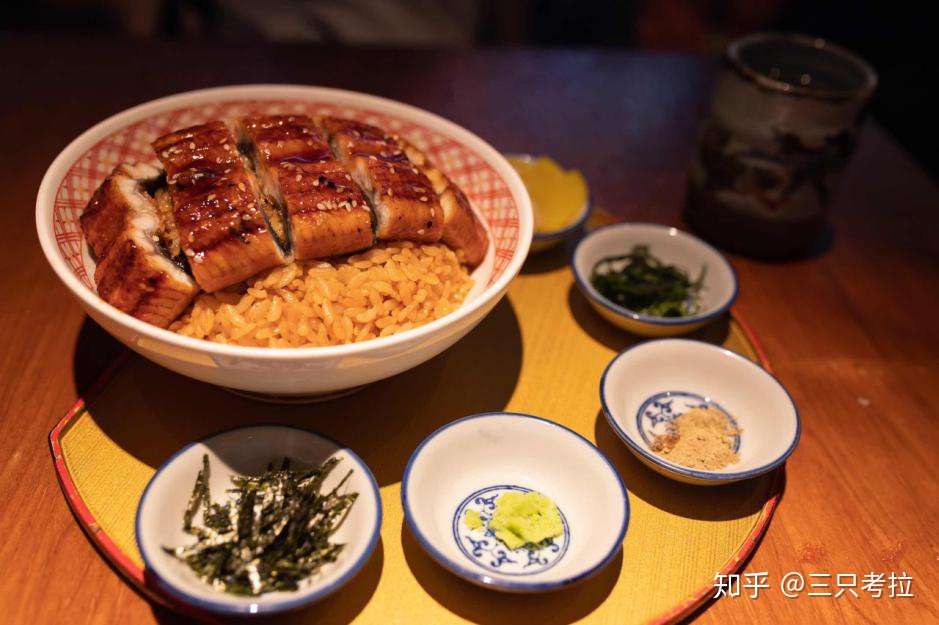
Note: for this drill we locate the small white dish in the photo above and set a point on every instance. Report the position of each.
(469, 462)
(245, 451)
(672, 246)
(547, 239)
(646, 386)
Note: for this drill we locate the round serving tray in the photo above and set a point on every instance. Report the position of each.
(541, 351)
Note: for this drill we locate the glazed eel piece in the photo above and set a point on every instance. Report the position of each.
(402, 197)
(463, 232)
(327, 214)
(131, 245)
(228, 230)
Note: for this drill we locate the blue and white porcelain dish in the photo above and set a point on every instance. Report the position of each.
(652, 383)
(482, 547)
(658, 411)
(672, 246)
(243, 451)
(468, 463)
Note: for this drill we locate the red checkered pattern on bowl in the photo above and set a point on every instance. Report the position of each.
(485, 188)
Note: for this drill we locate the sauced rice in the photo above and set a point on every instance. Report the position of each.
(387, 289)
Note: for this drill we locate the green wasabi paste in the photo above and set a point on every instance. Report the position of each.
(472, 520)
(522, 519)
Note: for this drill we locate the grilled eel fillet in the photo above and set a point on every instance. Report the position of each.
(404, 202)
(462, 230)
(328, 214)
(124, 230)
(219, 211)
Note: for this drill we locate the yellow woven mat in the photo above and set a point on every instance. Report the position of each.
(541, 351)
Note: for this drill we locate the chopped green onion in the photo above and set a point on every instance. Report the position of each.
(642, 283)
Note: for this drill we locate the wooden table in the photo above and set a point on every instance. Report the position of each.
(852, 333)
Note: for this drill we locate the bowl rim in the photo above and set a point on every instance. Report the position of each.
(88, 297)
(224, 607)
(582, 216)
(587, 289)
(484, 579)
(710, 476)
(735, 49)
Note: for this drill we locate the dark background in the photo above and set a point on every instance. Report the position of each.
(892, 36)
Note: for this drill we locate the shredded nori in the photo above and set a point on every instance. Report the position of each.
(642, 283)
(271, 534)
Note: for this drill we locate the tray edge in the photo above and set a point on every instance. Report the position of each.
(137, 577)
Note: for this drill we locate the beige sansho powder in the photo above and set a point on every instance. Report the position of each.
(701, 438)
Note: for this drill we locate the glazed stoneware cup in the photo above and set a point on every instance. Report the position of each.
(783, 122)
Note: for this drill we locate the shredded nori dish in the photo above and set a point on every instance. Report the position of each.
(642, 283)
(272, 533)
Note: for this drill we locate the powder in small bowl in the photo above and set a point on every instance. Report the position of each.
(702, 438)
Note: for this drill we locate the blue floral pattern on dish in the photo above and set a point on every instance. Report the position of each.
(658, 411)
(483, 548)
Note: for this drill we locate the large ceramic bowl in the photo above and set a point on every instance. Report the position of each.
(495, 190)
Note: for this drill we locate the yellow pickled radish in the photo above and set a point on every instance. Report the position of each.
(558, 196)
